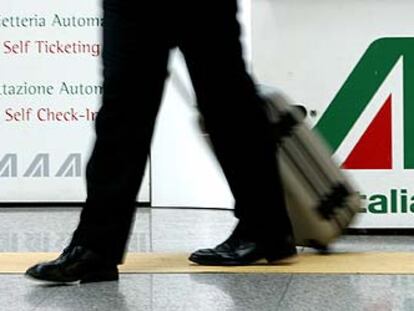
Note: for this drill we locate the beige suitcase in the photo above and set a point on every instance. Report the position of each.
(321, 200)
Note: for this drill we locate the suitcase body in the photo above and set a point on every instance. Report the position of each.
(321, 201)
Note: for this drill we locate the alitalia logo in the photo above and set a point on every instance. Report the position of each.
(374, 149)
(373, 122)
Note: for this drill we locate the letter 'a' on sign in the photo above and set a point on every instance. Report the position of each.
(356, 94)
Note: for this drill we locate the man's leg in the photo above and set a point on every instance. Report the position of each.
(236, 121)
(135, 58)
(135, 66)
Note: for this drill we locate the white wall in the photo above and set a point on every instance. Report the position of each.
(184, 170)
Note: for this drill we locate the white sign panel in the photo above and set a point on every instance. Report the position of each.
(352, 65)
(50, 91)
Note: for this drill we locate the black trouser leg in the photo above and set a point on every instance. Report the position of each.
(135, 67)
(238, 127)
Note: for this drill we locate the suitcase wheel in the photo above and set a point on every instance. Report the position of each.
(320, 248)
(323, 250)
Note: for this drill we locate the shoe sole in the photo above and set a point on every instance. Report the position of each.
(48, 282)
(89, 278)
(262, 261)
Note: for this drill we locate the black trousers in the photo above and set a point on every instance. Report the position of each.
(137, 41)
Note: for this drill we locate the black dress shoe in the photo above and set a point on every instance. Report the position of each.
(236, 252)
(73, 265)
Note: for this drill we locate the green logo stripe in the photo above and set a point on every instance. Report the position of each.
(409, 108)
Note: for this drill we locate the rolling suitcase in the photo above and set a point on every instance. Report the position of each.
(321, 201)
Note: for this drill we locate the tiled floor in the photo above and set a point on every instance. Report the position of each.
(159, 230)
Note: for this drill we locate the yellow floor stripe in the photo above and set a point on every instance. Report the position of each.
(339, 263)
